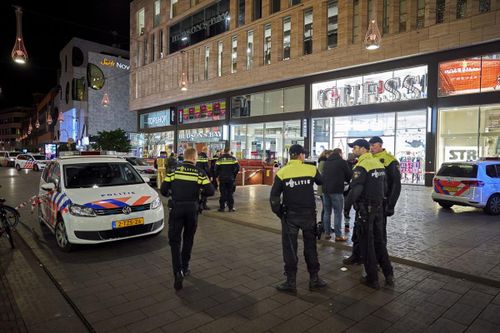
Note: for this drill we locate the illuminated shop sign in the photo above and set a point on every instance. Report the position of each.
(113, 63)
(155, 119)
(202, 112)
(467, 76)
(393, 86)
(460, 153)
(201, 134)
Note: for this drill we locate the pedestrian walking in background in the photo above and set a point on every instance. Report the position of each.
(161, 168)
(321, 165)
(293, 201)
(367, 197)
(203, 164)
(184, 185)
(226, 170)
(335, 173)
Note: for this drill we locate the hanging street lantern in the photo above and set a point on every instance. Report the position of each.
(373, 36)
(105, 100)
(19, 53)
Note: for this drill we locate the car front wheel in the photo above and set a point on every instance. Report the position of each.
(493, 205)
(446, 205)
(62, 236)
(35, 167)
(18, 167)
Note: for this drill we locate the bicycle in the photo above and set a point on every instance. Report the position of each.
(9, 218)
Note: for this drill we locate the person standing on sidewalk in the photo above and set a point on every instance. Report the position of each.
(392, 178)
(161, 167)
(336, 172)
(321, 166)
(226, 170)
(297, 210)
(184, 186)
(367, 197)
(202, 163)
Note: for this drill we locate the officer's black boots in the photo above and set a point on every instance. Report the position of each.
(389, 280)
(372, 284)
(352, 260)
(178, 280)
(289, 286)
(315, 283)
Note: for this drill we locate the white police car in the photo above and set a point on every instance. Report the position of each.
(95, 199)
(36, 162)
(475, 184)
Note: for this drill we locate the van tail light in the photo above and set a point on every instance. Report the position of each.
(473, 183)
(435, 180)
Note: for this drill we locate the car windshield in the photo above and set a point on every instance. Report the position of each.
(458, 170)
(138, 161)
(100, 174)
(13, 154)
(39, 157)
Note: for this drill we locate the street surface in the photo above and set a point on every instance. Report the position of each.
(126, 286)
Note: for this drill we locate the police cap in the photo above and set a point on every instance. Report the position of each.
(296, 150)
(360, 143)
(376, 139)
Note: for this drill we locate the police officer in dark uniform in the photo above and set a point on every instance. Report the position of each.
(392, 178)
(226, 170)
(202, 163)
(184, 185)
(367, 196)
(297, 210)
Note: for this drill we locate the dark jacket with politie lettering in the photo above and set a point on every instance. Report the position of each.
(186, 183)
(295, 182)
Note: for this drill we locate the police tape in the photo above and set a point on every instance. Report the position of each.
(34, 201)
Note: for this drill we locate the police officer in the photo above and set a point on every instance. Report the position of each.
(367, 196)
(297, 210)
(184, 185)
(392, 178)
(161, 167)
(226, 170)
(202, 163)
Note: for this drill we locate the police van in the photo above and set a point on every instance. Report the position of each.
(96, 199)
(475, 184)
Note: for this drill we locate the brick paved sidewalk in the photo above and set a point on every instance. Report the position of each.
(127, 287)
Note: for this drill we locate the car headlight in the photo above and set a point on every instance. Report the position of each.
(156, 203)
(78, 210)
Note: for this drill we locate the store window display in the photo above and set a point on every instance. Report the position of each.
(410, 146)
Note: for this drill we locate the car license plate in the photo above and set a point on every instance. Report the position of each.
(127, 223)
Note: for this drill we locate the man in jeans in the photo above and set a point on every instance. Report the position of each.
(336, 172)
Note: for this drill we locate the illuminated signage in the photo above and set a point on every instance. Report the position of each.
(460, 153)
(201, 133)
(202, 112)
(155, 119)
(393, 86)
(113, 63)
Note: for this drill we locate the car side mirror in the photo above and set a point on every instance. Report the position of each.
(146, 178)
(49, 187)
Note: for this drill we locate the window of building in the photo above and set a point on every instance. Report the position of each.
(461, 9)
(67, 93)
(207, 62)
(161, 44)
(385, 17)
(145, 53)
(403, 15)
(220, 50)
(140, 22)
(78, 91)
(489, 131)
(76, 57)
(173, 8)
(138, 59)
(440, 8)
(355, 21)
(308, 31)
(241, 13)
(194, 2)
(420, 14)
(257, 10)
(484, 6)
(95, 77)
(293, 2)
(154, 45)
(332, 28)
(274, 6)
(370, 15)
(287, 27)
(234, 54)
(249, 49)
(267, 44)
(156, 19)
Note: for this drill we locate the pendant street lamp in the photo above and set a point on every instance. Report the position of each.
(19, 53)
(373, 36)
(49, 119)
(105, 100)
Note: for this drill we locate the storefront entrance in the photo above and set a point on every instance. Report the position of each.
(198, 138)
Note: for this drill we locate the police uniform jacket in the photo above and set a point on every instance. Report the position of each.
(202, 163)
(186, 182)
(296, 182)
(392, 177)
(368, 181)
(227, 168)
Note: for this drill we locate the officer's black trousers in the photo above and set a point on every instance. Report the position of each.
(226, 194)
(372, 247)
(182, 224)
(290, 229)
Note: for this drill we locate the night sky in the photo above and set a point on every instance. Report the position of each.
(47, 27)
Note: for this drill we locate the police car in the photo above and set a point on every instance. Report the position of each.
(36, 162)
(96, 199)
(475, 184)
(143, 167)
